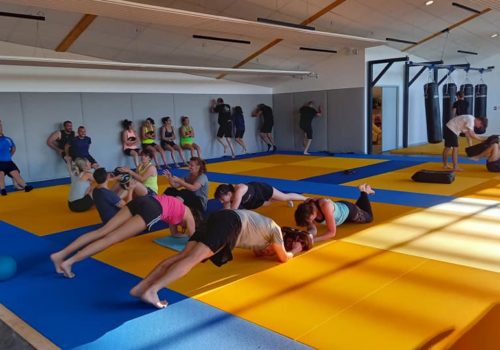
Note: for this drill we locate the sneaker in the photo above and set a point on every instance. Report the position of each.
(269, 147)
(274, 148)
(28, 188)
(3, 192)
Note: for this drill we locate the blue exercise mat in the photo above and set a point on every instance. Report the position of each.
(175, 243)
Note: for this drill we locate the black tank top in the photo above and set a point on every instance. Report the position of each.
(257, 194)
(65, 138)
(169, 133)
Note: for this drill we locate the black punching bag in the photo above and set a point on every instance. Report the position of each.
(468, 90)
(433, 117)
(480, 94)
(449, 97)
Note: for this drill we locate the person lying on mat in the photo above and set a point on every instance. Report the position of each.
(139, 214)
(460, 124)
(492, 155)
(334, 213)
(252, 195)
(224, 230)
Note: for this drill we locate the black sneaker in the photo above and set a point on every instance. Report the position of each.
(274, 148)
(28, 188)
(269, 147)
(3, 192)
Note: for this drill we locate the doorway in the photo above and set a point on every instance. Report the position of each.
(384, 119)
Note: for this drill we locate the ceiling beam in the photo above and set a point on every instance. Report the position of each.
(75, 33)
(459, 23)
(308, 20)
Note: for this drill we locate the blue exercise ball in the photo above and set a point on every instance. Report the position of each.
(8, 267)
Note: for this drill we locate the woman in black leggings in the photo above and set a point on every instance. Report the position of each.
(324, 210)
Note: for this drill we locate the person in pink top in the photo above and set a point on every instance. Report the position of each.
(138, 215)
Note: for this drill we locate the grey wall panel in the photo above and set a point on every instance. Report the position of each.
(13, 127)
(346, 120)
(44, 113)
(102, 115)
(284, 121)
(319, 124)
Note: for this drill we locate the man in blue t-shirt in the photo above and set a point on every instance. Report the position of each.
(107, 202)
(7, 166)
(78, 147)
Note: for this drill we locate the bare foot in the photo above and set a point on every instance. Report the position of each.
(290, 204)
(475, 158)
(137, 291)
(307, 153)
(151, 297)
(57, 261)
(66, 269)
(366, 188)
(457, 169)
(446, 166)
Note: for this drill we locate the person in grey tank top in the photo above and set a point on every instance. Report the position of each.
(334, 213)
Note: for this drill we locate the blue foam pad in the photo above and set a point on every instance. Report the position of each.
(175, 243)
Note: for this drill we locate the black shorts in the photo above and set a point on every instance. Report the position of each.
(164, 144)
(128, 150)
(260, 193)
(82, 204)
(307, 129)
(267, 127)
(225, 130)
(146, 145)
(8, 167)
(493, 167)
(239, 133)
(190, 199)
(220, 235)
(148, 208)
(450, 138)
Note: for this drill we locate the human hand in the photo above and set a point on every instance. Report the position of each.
(124, 169)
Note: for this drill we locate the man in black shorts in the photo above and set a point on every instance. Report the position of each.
(307, 114)
(60, 138)
(224, 230)
(225, 123)
(266, 129)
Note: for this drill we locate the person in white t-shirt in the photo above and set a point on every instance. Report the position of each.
(460, 124)
(224, 230)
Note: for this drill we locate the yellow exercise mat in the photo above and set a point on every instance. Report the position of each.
(487, 190)
(44, 211)
(464, 231)
(346, 296)
(232, 167)
(432, 148)
(337, 163)
(400, 180)
(282, 158)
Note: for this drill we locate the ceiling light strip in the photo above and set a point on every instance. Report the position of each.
(400, 41)
(463, 7)
(22, 16)
(275, 42)
(144, 67)
(467, 52)
(286, 24)
(215, 38)
(317, 50)
(432, 36)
